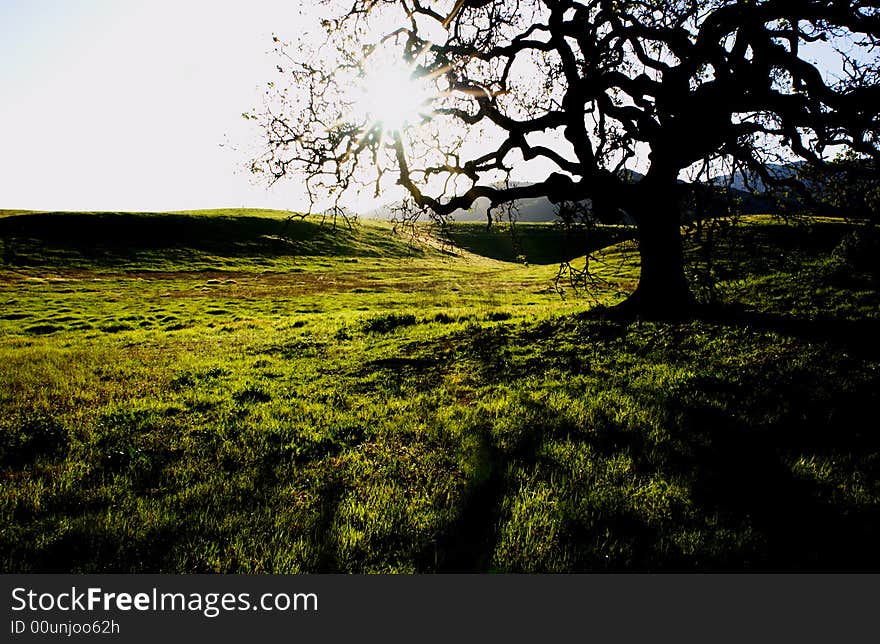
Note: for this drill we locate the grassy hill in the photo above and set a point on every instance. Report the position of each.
(186, 239)
(193, 397)
(536, 243)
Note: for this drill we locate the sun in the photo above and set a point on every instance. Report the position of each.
(391, 98)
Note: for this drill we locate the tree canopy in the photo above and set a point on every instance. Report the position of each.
(613, 102)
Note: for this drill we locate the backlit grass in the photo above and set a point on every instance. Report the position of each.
(236, 399)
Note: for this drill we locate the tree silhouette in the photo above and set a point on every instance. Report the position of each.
(593, 90)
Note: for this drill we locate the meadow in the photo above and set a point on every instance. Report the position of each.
(239, 391)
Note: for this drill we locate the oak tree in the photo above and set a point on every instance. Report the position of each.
(613, 102)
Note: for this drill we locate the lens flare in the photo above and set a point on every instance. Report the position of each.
(391, 98)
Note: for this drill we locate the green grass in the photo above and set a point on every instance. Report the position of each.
(195, 397)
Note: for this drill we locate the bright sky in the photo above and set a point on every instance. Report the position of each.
(124, 105)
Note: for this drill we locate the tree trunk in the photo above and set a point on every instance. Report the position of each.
(663, 288)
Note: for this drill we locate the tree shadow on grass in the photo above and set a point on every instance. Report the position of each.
(858, 334)
(742, 466)
(778, 463)
(468, 543)
(744, 474)
(86, 548)
(743, 503)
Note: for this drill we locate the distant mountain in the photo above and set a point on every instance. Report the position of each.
(747, 189)
(536, 209)
(750, 182)
(531, 210)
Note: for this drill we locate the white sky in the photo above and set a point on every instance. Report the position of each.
(124, 105)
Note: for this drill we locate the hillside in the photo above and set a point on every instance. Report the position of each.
(218, 238)
(382, 407)
(536, 243)
(187, 239)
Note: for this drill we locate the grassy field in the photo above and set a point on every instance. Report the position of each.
(233, 391)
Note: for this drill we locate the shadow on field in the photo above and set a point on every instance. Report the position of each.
(740, 466)
(468, 544)
(89, 548)
(734, 443)
(741, 473)
(845, 333)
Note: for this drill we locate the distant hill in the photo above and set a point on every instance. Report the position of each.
(535, 210)
(541, 210)
(195, 238)
(750, 182)
(534, 242)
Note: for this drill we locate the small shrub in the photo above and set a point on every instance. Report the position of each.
(182, 381)
(389, 322)
(43, 329)
(252, 394)
(859, 251)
